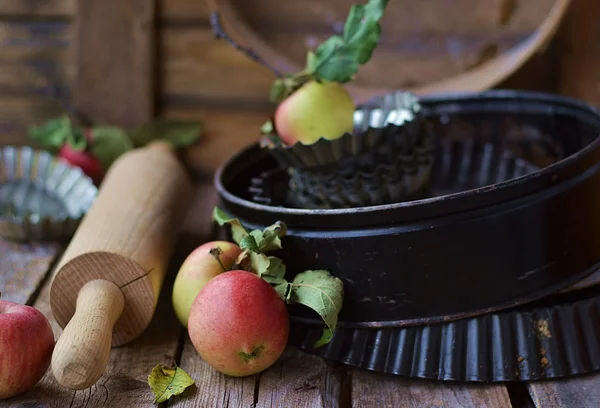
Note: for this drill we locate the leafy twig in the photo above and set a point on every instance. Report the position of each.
(219, 32)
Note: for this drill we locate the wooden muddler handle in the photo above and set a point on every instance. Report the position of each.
(82, 351)
(107, 283)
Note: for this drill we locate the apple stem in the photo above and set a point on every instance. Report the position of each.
(216, 253)
(219, 32)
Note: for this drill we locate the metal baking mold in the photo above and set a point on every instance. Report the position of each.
(41, 197)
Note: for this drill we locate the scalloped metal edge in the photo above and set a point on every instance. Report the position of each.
(460, 165)
(524, 344)
(68, 184)
(392, 120)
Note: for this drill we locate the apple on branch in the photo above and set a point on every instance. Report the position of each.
(313, 104)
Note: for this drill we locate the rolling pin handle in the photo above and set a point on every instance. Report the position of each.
(82, 352)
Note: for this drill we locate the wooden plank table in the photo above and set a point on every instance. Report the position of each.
(298, 379)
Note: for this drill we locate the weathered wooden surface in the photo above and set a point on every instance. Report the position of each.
(300, 380)
(115, 61)
(370, 389)
(580, 392)
(212, 389)
(37, 8)
(23, 267)
(579, 51)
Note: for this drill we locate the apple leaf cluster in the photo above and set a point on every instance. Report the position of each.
(166, 382)
(316, 289)
(338, 58)
(109, 142)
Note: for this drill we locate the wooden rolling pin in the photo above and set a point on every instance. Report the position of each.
(107, 283)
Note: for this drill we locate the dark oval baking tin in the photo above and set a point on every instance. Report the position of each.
(556, 338)
(462, 254)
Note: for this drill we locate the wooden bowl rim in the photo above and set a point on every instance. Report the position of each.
(480, 78)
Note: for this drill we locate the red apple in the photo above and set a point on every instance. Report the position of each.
(199, 267)
(85, 160)
(26, 345)
(238, 324)
(317, 109)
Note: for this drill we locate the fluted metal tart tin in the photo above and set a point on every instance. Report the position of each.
(462, 165)
(41, 197)
(554, 338)
(461, 254)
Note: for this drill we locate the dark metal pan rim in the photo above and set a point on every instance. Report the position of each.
(522, 186)
(311, 321)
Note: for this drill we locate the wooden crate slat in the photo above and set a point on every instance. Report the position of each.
(37, 8)
(19, 112)
(225, 133)
(34, 63)
(31, 40)
(580, 54)
(23, 266)
(299, 380)
(212, 388)
(196, 66)
(370, 389)
(115, 61)
(578, 392)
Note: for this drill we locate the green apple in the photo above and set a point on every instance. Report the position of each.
(316, 110)
(199, 267)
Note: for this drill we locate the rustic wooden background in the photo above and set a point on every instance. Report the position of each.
(198, 77)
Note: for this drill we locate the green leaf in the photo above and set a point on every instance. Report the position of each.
(237, 230)
(278, 90)
(282, 287)
(271, 237)
(260, 263)
(266, 240)
(53, 134)
(325, 338)
(76, 138)
(336, 61)
(167, 382)
(109, 143)
(338, 58)
(267, 127)
(249, 242)
(322, 292)
(178, 133)
(276, 267)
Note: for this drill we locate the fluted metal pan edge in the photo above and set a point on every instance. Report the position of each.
(556, 338)
(41, 197)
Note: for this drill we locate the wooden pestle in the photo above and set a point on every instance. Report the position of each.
(107, 283)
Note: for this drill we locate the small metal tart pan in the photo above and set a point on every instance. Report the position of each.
(41, 198)
(553, 338)
(460, 254)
